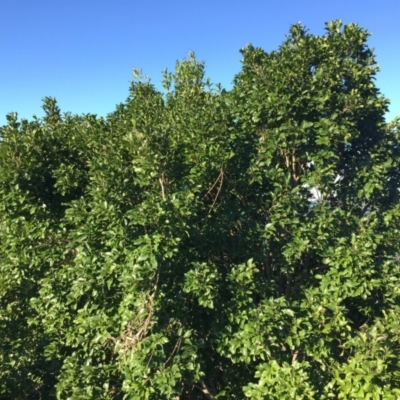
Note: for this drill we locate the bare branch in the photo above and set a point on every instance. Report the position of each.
(162, 182)
(203, 387)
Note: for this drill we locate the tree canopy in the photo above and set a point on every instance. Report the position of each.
(203, 243)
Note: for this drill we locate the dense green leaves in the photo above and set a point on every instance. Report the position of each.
(203, 243)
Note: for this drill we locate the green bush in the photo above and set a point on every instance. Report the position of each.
(208, 244)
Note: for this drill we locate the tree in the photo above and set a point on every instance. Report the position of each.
(204, 243)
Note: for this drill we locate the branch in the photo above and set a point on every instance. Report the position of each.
(162, 180)
(295, 354)
(219, 189)
(205, 390)
(220, 179)
(212, 187)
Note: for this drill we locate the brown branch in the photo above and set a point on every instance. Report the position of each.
(295, 354)
(212, 187)
(294, 168)
(205, 390)
(136, 329)
(287, 161)
(162, 181)
(219, 189)
(176, 349)
(220, 179)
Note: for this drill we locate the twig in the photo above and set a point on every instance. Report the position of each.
(295, 354)
(176, 349)
(219, 189)
(205, 390)
(161, 180)
(212, 187)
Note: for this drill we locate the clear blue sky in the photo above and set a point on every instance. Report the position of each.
(82, 51)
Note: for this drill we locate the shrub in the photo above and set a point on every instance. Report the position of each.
(203, 243)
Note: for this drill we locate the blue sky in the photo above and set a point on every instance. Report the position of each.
(82, 51)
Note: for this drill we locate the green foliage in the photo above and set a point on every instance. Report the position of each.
(208, 244)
